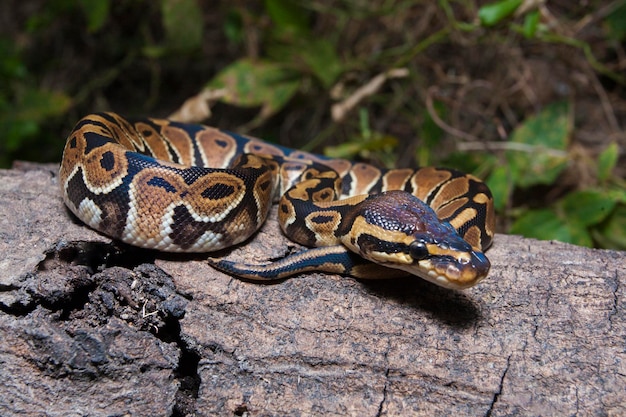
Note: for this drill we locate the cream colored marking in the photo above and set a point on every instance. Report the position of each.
(300, 190)
(480, 198)
(254, 162)
(263, 198)
(211, 240)
(453, 188)
(286, 219)
(473, 236)
(391, 258)
(462, 257)
(425, 180)
(92, 172)
(450, 208)
(181, 144)
(363, 177)
(258, 147)
(360, 226)
(463, 217)
(90, 213)
(324, 232)
(215, 156)
(153, 142)
(290, 173)
(396, 179)
(349, 201)
(113, 184)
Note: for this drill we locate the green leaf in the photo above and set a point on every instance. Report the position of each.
(251, 83)
(607, 161)
(15, 132)
(545, 224)
(542, 141)
(586, 207)
(233, 27)
(359, 146)
(24, 117)
(501, 186)
(316, 57)
(612, 232)
(289, 18)
(96, 12)
(491, 14)
(12, 66)
(570, 220)
(182, 20)
(322, 60)
(531, 21)
(541, 224)
(616, 23)
(37, 105)
(579, 235)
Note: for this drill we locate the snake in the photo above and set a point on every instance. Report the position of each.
(184, 187)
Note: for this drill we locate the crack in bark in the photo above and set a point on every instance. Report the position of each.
(497, 394)
(379, 413)
(615, 306)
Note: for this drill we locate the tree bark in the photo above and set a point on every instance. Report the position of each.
(93, 327)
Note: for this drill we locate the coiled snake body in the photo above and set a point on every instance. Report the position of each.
(180, 187)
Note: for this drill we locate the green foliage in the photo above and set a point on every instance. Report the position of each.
(264, 84)
(96, 12)
(616, 23)
(607, 161)
(576, 218)
(581, 216)
(291, 43)
(538, 146)
(531, 24)
(493, 13)
(275, 58)
(536, 153)
(611, 233)
(288, 17)
(368, 144)
(23, 106)
(182, 21)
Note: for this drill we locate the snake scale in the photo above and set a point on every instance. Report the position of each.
(179, 187)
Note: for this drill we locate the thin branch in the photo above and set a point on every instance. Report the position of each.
(511, 146)
(443, 125)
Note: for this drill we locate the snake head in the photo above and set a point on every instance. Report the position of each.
(397, 230)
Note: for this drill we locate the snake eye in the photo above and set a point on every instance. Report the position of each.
(418, 250)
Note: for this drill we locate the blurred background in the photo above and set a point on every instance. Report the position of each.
(528, 95)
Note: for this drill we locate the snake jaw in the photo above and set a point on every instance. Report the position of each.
(456, 270)
(451, 263)
(462, 271)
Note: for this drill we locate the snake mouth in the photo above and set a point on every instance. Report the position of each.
(456, 272)
(460, 272)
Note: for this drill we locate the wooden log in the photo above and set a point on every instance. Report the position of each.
(91, 327)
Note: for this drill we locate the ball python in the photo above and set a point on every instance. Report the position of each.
(179, 187)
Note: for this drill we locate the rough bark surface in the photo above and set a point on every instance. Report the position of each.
(89, 327)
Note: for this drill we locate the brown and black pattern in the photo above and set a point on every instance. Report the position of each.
(191, 188)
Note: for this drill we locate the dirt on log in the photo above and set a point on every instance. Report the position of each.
(90, 327)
